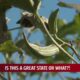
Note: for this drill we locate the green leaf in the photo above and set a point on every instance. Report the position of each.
(29, 5)
(63, 4)
(61, 22)
(67, 29)
(36, 73)
(71, 78)
(77, 19)
(22, 4)
(69, 5)
(8, 47)
(52, 21)
(70, 28)
(61, 58)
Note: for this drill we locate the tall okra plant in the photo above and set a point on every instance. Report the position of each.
(54, 29)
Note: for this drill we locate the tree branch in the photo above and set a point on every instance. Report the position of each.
(2, 77)
(8, 61)
(69, 45)
(59, 46)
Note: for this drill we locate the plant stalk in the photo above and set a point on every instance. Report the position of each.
(54, 41)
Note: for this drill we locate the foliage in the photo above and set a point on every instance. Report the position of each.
(51, 29)
(52, 22)
(68, 5)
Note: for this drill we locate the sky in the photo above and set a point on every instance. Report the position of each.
(47, 7)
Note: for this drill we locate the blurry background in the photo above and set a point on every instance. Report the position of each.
(14, 14)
